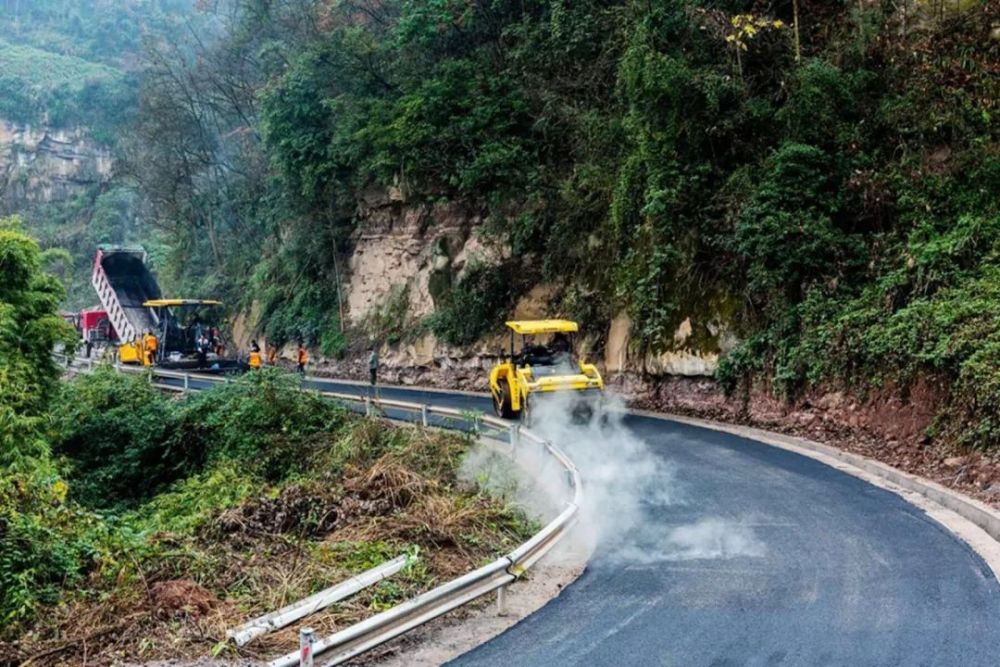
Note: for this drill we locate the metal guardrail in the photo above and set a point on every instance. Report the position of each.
(296, 611)
(389, 624)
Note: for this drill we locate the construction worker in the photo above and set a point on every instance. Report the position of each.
(202, 349)
(373, 364)
(303, 357)
(215, 338)
(149, 346)
(255, 358)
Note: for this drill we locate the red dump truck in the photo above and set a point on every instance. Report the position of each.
(95, 326)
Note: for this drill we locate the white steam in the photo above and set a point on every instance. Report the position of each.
(710, 538)
(629, 491)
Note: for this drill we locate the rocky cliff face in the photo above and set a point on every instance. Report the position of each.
(416, 248)
(420, 250)
(41, 165)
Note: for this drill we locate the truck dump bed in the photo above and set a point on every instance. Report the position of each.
(123, 283)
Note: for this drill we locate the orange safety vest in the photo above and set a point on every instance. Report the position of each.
(255, 360)
(303, 355)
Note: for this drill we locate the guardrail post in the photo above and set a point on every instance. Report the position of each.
(90, 364)
(423, 415)
(502, 601)
(307, 637)
(368, 406)
(515, 438)
(187, 382)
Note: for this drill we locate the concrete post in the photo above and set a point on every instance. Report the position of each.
(423, 415)
(502, 601)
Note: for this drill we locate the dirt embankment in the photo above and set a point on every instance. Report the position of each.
(889, 425)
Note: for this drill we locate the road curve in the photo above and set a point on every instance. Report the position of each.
(848, 574)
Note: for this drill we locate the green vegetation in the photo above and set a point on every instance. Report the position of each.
(477, 305)
(30, 328)
(75, 66)
(49, 69)
(33, 553)
(96, 215)
(829, 188)
(826, 188)
(253, 493)
(103, 31)
(122, 507)
(72, 64)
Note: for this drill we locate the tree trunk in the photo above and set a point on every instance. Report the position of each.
(795, 23)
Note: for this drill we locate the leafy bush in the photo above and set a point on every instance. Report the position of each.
(30, 329)
(787, 233)
(125, 441)
(264, 421)
(478, 304)
(118, 432)
(43, 543)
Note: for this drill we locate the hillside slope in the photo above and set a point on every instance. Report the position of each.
(791, 201)
(69, 86)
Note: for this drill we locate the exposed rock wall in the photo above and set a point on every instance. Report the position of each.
(418, 247)
(40, 165)
(424, 248)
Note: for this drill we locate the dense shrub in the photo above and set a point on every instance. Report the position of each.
(41, 546)
(478, 304)
(787, 233)
(118, 432)
(264, 421)
(125, 441)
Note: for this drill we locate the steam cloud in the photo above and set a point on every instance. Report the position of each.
(624, 483)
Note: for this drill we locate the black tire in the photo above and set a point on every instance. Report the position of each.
(501, 402)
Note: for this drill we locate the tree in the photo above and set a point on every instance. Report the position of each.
(30, 328)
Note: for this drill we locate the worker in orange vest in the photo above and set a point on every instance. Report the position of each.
(255, 359)
(149, 345)
(303, 357)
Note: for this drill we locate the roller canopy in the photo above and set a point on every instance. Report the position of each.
(531, 327)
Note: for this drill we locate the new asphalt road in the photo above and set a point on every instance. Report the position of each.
(815, 568)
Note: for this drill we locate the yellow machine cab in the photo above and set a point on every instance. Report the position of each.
(541, 360)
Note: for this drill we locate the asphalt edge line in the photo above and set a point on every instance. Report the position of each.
(974, 514)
